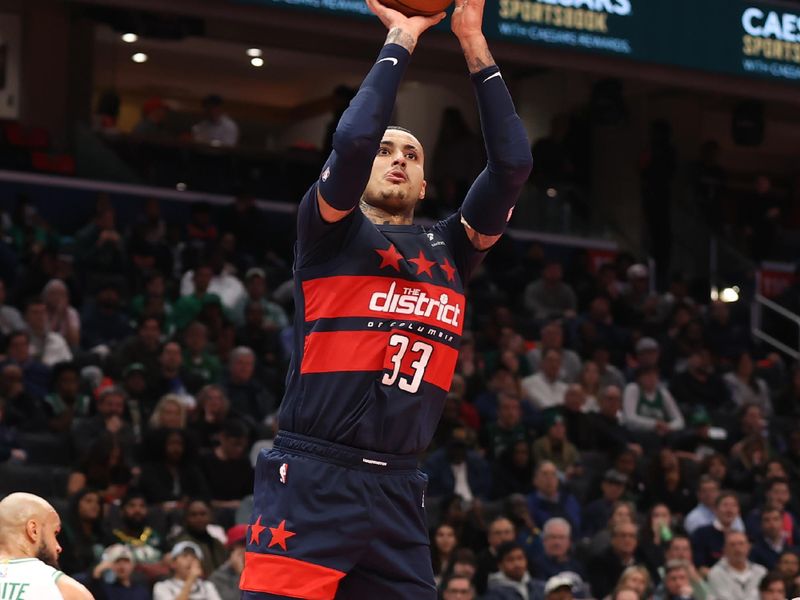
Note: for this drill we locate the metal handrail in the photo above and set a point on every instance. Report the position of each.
(762, 301)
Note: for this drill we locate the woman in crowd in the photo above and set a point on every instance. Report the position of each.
(590, 382)
(789, 568)
(82, 533)
(169, 413)
(635, 578)
(213, 410)
(622, 512)
(443, 548)
(104, 469)
(513, 471)
(655, 535)
(670, 484)
(173, 475)
(746, 387)
(61, 317)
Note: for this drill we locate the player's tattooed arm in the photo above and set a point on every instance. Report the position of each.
(467, 24)
(476, 53)
(402, 38)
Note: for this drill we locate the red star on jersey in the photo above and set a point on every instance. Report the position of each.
(280, 535)
(449, 269)
(390, 257)
(255, 531)
(423, 264)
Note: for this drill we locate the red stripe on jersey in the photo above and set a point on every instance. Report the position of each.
(383, 298)
(284, 576)
(330, 352)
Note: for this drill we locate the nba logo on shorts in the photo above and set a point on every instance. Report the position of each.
(283, 471)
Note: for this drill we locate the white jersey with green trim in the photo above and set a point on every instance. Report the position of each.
(28, 579)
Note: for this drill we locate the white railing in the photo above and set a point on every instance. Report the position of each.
(759, 303)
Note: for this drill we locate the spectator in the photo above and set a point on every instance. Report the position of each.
(153, 301)
(458, 587)
(577, 422)
(216, 128)
(789, 570)
(169, 413)
(512, 471)
(546, 389)
(556, 556)
(513, 581)
(455, 469)
(547, 500)
(100, 251)
(553, 337)
(82, 535)
(105, 324)
(556, 448)
(66, 402)
(609, 374)
(734, 577)
(22, 410)
(648, 354)
(703, 514)
(172, 476)
(222, 284)
(10, 318)
(772, 587)
(746, 388)
(197, 529)
(172, 378)
(635, 578)
(247, 396)
(676, 584)
(9, 445)
(549, 297)
(670, 482)
(654, 536)
(605, 569)
(699, 385)
(227, 468)
(589, 380)
(648, 406)
(141, 537)
(257, 291)
(62, 318)
(103, 468)
(679, 549)
(443, 548)
(117, 561)
(46, 346)
(500, 531)
(708, 541)
(610, 435)
(770, 543)
(226, 577)
(507, 430)
(143, 348)
(192, 300)
(202, 367)
(152, 124)
(777, 494)
(213, 411)
(597, 514)
(187, 576)
(109, 419)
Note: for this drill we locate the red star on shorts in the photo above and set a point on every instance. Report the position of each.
(449, 269)
(390, 257)
(423, 264)
(255, 531)
(280, 535)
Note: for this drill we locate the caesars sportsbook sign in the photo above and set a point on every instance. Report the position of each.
(759, 39)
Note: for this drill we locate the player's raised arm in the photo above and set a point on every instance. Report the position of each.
(489, 203)
(358, 134)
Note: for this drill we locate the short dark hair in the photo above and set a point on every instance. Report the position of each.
(507, 548)
(768, 579)
(133, 494)
(454, 577)
(773, 481)
(398, 128)
(680, 536)
(727, 494)
(465, 556)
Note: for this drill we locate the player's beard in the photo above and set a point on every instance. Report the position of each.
(46, 555)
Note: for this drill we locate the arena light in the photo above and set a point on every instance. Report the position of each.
(130, 38)
(257, 61)
(139, 57)
(729, 294)
(254, 52)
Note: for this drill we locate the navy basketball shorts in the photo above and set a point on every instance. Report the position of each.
(331, 521)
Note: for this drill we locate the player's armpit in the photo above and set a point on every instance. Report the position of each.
(479, 241)
(72, 590)
(328, 213)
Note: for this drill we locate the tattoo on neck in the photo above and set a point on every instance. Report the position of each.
(401, 38)
(382, 217)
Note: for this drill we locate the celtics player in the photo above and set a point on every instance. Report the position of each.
(29, 552)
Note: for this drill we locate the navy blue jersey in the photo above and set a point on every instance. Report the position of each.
(378, 322)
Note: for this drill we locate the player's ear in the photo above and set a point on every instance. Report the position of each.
(422, 190)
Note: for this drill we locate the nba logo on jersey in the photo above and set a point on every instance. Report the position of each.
(283, 471)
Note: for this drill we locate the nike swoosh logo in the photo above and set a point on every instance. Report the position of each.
(390, 59)
(492, 76)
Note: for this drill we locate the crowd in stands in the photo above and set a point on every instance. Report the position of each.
(600, 439)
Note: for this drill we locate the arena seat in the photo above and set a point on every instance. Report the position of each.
(46, 481)
(47, 448)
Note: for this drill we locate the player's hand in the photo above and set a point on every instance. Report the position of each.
(413, 26)
(467, 19)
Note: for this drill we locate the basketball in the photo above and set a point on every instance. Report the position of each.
(410, 8)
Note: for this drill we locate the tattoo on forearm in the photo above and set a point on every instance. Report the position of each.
(477, 55)
(401, 38)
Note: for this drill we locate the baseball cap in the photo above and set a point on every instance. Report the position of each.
(118, 552)
(557, 582)
(236, 535)
(614, 476)
(645, 344)
(552, 418)
(700, 417)
(133, 368)
(186, 546)
(255, 272)
(637, 271)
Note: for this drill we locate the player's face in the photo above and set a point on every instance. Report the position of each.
(48, 547)
(397, 181)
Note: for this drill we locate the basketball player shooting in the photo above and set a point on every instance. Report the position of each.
(339, 501)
